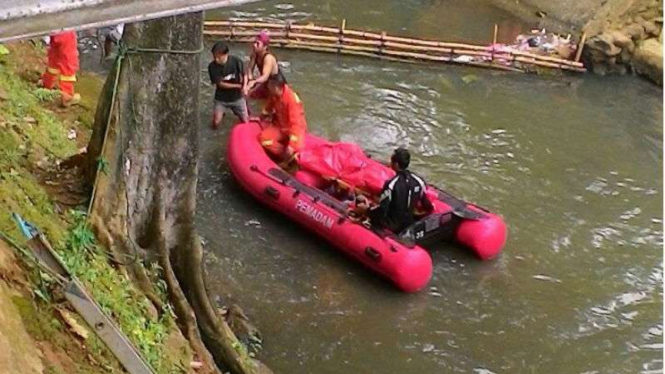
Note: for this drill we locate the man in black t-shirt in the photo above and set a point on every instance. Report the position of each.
(227, 75)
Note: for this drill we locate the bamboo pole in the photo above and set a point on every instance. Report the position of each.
(494, 67)
(314, 37)
(496, 32)
(316, 28)
(418, 47)
(332, 46)
(241, 33)
(294, 35)
(415, 41)
(496, 29)
(360, 41)
(547, 58)
(264, 25)
(580, 47)
(421, 56)
(550, 64)
(351, 53)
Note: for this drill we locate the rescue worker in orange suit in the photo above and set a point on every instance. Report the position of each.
(285, 134)
(63, 64)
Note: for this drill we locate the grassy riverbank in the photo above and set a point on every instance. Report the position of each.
(36, 136)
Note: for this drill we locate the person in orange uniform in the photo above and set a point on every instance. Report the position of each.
(285, 134)
(63, 63)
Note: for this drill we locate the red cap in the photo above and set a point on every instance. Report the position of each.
(263, 37)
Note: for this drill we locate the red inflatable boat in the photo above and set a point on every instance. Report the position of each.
(303, 198)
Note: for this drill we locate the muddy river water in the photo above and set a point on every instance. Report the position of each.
(573, 163)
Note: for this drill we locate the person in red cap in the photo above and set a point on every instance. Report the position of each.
(285, 134)
(267, 65)
(63, 64)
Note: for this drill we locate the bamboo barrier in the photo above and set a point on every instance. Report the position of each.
(365, 52)
(362, 43)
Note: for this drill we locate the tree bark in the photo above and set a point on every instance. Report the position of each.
(146, 198)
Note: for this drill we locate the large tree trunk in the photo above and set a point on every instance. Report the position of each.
(145, 202)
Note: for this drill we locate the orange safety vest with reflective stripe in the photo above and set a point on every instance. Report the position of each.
(289, 116)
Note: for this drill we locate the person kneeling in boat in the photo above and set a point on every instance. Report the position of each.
(284, 114)
(400, 197)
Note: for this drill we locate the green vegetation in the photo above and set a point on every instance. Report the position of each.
(118, 298)
(33, 135)
(43, 325)
(29, 134)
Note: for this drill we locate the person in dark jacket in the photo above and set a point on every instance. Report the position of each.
(227, 75)
(400, 196)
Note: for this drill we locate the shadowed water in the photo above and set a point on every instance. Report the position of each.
(573, 163)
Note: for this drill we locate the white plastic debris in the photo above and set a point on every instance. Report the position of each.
(253, 222)
(463, 59)
(546, 278)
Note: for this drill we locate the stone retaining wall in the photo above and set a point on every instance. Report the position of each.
(626, 36)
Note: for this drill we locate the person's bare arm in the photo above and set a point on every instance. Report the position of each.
(250, 67)
(228, 85)
(268, 64)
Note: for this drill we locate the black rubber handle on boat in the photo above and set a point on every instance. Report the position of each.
(373, 254)
(272, 192)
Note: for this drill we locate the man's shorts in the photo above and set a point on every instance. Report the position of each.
(238, 107)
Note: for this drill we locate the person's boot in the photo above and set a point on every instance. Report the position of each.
(69, 100)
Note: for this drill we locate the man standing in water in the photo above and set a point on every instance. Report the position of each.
(227, 74)
(267, 65)
(285, 134)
